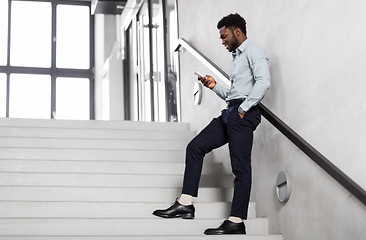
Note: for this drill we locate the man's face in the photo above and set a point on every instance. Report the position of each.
(229, 40)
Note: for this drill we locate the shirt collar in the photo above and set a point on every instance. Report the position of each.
(241, 48)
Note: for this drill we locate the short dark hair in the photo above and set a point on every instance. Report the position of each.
(233, 20)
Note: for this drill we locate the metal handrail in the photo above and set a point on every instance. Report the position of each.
(295, 138)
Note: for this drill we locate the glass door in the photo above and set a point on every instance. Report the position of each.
(153, 73)
(151, 62)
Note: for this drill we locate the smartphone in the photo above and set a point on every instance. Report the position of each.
(198, 74)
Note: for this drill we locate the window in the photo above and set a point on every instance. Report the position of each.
(29, 96)
(46, 67)
(3, 87)
(73, 36)
(3, 32)
(31, 21)
(72, 98)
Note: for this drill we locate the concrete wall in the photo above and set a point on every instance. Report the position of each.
(316, 51)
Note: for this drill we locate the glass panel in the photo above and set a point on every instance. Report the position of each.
(147, 97)
(72, 98)
(72, 37)
(2, 95)
(172, 60)
(158, 62)
(31, 34)
(144, 65)
(30, 96)
(3, 32)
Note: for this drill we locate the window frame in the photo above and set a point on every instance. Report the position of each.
(53, 71)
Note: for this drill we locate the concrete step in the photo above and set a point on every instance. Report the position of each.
(92, 154)
(216, 210)
(64, 143)
(97, 194)
(171, 237)
(64, 179)
(103, 167)
(107, 180)
(27, 132)
(117, 227)
(93, 124)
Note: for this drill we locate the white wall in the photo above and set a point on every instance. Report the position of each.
(108, 69)
(112, 90)
(316, 50)
(99, 62)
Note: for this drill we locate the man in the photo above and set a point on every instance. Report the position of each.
(250, 79)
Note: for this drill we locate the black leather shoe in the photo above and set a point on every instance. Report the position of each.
(177, 210)
(227, 227)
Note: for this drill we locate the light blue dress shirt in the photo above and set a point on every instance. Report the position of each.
(249, 76)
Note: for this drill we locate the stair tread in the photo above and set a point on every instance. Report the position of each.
(107, 180)
(140, 237)
(98, 194)
(106, 227)
(48, 133)
(93, 124)
(115, 167)
(106, 209)
(104, 144)
(19, 153)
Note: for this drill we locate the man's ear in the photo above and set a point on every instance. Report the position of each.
(237, 32)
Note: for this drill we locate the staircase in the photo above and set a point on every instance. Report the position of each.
(102, 180)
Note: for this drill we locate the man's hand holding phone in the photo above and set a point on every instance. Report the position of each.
(207, 80)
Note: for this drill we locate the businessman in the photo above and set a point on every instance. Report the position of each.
(250, 79)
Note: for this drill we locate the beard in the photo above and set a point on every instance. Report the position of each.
(232, 44)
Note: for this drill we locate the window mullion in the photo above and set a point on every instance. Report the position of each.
(8, 61)
(92, 68)
(53, 61)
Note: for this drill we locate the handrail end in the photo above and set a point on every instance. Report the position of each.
(177, 49)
